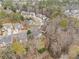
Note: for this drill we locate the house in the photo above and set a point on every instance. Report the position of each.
(17, 27)
(8, 27)
(11, 29)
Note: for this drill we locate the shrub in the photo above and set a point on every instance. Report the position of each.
(1, 26)
(17, 16)
(41, 45)
(76, 24)
(64, 23)
(2, 14)
(29, 32)
(26, 49)
(29, 18)
(18, 48)
(41, 50)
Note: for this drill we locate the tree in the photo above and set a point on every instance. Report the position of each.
(47, 7)
(59, 40)
(7, 3)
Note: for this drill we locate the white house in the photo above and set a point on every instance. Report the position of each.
(8, 28)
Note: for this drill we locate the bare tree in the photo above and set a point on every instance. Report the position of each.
(59, 39)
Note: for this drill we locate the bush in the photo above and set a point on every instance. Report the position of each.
(41, 44)
(76, 24)
(26, 48)
(42, 50)
(17, 16)
(1, 26)
(64, 24)
(2, 14)
(29, 18)
(18, 48)
(29, 32)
